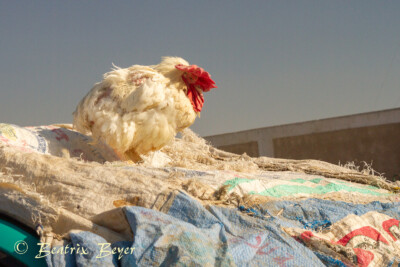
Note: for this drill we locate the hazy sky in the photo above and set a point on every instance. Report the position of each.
(275, 62)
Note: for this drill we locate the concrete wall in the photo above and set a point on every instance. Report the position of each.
(371, 137)
(250, 148)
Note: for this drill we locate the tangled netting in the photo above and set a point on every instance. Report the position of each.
(193, 152)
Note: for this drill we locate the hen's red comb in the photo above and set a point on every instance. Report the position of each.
(204, 78)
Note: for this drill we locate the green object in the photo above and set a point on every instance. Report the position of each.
(288, 190)
(14, 239)
(234, 182)
(298, 180)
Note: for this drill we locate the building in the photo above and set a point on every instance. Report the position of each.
(372, 137)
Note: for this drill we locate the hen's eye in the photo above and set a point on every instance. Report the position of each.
(190, 77)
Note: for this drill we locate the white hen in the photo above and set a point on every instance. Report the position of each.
(141, 108)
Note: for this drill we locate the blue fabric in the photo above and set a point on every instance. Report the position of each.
(313, 211)
(61, 259)
(190, 234)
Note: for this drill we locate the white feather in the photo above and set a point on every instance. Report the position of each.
(137, 109)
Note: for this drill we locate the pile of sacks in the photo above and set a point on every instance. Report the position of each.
(193, 204)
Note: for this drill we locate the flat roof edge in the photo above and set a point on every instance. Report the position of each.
(310, 121)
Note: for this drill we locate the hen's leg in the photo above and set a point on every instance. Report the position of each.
(132, 155)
